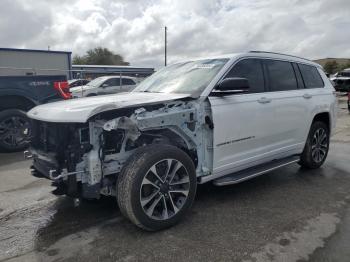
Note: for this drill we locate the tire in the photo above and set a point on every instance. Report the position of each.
(317, 141)
(146, 198)
(14, 130)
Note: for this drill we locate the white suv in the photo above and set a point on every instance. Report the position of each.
(224, 119)
(104, 85)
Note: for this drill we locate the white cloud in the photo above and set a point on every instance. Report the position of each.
(134, 28)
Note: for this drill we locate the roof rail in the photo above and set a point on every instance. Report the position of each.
(275, 53)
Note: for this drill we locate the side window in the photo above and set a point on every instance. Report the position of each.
(113, 82)
(250, 69)
(281, 75)
(116, 81)
(107, 83)
(311, 76)
(127, 82)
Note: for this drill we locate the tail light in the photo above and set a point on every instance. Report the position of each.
(63, 89)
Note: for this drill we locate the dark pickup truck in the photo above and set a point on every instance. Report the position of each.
(18, 94)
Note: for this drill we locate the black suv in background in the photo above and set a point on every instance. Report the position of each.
(342, 81)
(18, 94)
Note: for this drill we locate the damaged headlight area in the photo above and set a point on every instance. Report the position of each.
(84, 159)
(77, 157)
(57, 149)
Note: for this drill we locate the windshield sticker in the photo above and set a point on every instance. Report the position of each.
(204, 66)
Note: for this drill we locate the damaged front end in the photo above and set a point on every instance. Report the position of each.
(84, 159)
(59, 151)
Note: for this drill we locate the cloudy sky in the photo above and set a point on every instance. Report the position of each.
(134, 28)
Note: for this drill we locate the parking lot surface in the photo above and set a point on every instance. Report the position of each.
(289, 214)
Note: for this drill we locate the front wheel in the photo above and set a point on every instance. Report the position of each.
(157, 187)
(316, 147)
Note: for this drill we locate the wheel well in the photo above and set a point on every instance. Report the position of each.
(323, 117)
(16, 102)
(166, 136)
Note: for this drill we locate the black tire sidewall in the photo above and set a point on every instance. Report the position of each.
(152, 155)
(5, 114)
(306, 159)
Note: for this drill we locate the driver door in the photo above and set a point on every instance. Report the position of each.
(110, 86)
(242, 121)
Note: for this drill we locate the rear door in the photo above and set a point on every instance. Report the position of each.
(288, 107)
(315, 94)
(39, 88)
(127, 85)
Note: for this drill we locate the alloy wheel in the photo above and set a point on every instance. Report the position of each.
(319, 146)
(164, 189)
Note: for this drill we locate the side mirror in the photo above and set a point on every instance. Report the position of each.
(104, 85)
(233, 84)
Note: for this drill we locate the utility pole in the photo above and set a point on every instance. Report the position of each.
(165, 43)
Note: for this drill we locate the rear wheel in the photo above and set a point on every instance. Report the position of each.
(157, 186)
(14, 130)
(316, 147)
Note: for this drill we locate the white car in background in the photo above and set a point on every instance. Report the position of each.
(104, 85)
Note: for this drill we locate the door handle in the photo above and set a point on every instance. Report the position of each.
(264, 100)
(307, 96)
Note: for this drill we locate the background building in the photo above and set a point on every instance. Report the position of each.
(19, 62)
(34, 62)
(93, 71)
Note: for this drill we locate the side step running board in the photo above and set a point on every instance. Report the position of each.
(254, 171)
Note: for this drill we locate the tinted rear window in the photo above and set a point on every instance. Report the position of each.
(344, 74)
(311, 76)
(113, 82)
(281, 75)
(127, 82)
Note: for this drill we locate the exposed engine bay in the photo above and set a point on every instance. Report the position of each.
(84, 159)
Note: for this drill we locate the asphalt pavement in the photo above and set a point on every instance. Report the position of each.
(289, 214)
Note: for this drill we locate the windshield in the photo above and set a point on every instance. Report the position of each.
(97, 81)
(189, 77)
(344, 74)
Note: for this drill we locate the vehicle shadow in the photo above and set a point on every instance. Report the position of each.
(106, 216)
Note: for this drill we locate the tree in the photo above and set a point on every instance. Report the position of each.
(331, 67)
(345, 66)
(99, 56)
(78, 60)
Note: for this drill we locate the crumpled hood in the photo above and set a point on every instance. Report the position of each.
(81, 109)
